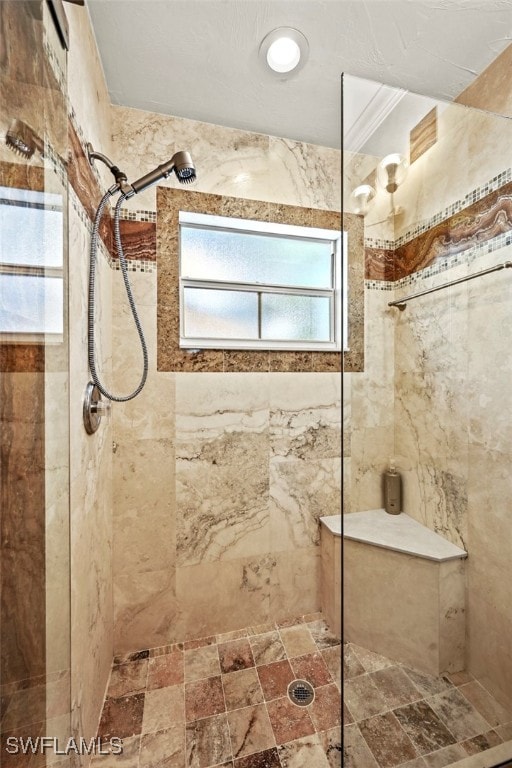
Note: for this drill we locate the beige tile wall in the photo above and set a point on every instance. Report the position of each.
(435, 387)
(219, 478)
(91, 456)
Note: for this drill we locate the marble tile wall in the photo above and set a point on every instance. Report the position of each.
(434, 390)
(234, 461)
(90, 455)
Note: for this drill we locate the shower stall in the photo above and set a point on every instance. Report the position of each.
(426, 201)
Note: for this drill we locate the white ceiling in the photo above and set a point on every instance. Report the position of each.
(199, 58)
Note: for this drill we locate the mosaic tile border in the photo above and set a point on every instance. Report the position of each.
(56, 162)
(129, 215)
(54, 63)
(473, 196)
(466, 257)
(134, 265)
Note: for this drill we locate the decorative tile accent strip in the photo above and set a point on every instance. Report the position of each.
(135, 265)
(466, 257)
(497, 182)
(129, 215)
(54, 64)
(56, 162)
(138, 239)
(481, 222)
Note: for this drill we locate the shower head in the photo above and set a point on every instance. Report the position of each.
(23, 140)
(182, 165)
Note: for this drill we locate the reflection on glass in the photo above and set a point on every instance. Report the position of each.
(31, 258)
(31, 304)
(216, 314)
(301, 318)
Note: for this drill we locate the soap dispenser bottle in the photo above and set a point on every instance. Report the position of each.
(392, 488)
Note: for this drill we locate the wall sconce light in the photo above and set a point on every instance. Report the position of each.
(392, 171)
(361, 198)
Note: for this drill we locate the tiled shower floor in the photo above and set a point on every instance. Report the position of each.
(221, 701)
(394, 716)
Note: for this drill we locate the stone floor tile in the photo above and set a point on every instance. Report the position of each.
(458, 714)
(201, 662)
(363, 698)
(395, 686)
(352, 667)
(444, 757)
(207, 742)
(312, 667)
(267, 759)
(122, 717)
(163, 707)
(331, 743)
(235, 655)
(267, 648)
(127, 679)
(481, 742)
(387, 740)
(303, 753)
(250, 730)
(289, 722)
(493, 712)
(165, 670)
(424, 728)
(163, 749)
(204, 698)
(242, 689)
(275, 678)
(356, 752)
(325, 711)
(297, 640)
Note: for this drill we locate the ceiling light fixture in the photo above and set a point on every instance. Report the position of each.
(284, 50)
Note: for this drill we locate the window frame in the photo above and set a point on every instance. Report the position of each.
(338, 294)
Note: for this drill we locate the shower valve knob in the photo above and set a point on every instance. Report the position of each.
(94, 408)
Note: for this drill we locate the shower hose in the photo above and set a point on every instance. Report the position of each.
(91, 309)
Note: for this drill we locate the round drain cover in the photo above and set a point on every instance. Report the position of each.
(301, 692)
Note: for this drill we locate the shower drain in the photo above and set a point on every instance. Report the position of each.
(301, 692)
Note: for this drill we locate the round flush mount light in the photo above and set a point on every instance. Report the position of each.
(284, 50)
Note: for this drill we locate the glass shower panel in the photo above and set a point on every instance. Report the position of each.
(427, 189)
(34, 373)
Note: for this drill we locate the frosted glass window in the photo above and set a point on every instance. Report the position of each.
(31, 263)
(31, 228)
(248, 284)
(285, 316)
(253, 258)
(220, 314)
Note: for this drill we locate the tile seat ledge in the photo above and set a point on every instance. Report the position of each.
(332, 523)
(399, 533)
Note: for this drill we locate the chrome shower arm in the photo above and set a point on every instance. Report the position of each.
(120, 176)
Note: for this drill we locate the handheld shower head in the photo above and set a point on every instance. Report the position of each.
(182, 165)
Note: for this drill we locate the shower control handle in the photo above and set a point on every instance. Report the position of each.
(94, 408)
